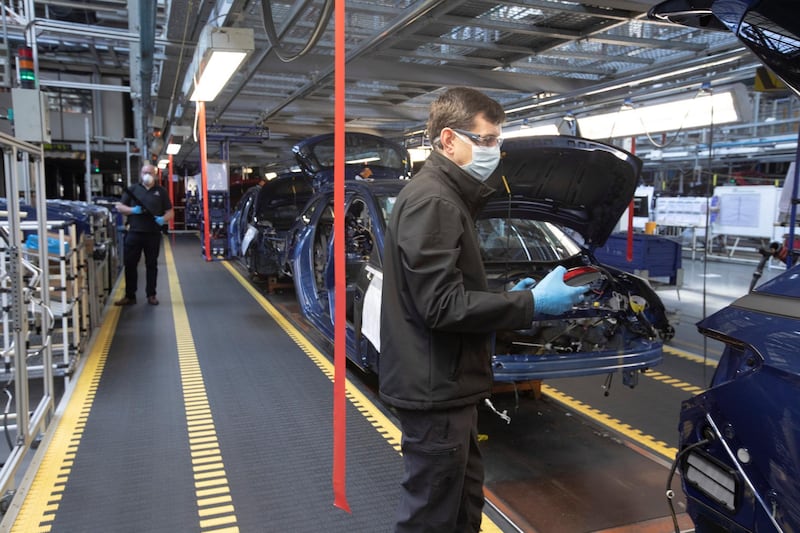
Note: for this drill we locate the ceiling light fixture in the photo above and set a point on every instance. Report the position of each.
(219, 53)
(698, 111)
(174, 147)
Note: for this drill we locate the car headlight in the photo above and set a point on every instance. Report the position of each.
(712, 479)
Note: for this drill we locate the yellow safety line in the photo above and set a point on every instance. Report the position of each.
(40, 503)
(690, 356)
(615, 424)
(365, 406)
(214, 503)
(676, 383)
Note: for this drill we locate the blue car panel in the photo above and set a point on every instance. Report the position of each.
(740, 440)
(747, 423)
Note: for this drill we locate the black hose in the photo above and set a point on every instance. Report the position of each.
(670, 493)
(316, 34)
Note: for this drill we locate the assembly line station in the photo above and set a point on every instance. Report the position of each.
(217, 409)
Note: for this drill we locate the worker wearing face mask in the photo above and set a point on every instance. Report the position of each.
(148, 209)
(438, 315)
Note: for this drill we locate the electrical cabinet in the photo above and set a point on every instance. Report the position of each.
(219, 208)
(31, 115)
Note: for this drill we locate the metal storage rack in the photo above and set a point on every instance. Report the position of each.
(31, 417)
(65, 288)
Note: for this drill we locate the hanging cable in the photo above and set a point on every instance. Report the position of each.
(670, 492)
(282, 53)
(689, 109)
(708, 232)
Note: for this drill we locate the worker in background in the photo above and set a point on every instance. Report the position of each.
(148, 209)
(438, 315)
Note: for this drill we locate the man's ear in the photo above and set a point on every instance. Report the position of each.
(447, 138)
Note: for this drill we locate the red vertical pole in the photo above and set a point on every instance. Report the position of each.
(201, 127)
(171, 186)
(339, 354)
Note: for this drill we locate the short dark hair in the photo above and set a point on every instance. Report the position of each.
(457, 108)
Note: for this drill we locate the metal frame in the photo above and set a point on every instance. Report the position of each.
(29, 424)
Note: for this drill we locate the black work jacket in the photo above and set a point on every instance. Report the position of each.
(154, 202)
(437, 314)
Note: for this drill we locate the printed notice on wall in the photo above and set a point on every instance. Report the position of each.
(371, 315)
(740, 210)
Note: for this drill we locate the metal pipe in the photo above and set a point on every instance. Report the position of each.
(741, 471)
(793, 203)
(83, 85)
(88, 176)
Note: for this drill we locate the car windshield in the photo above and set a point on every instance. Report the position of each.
(516, 239)
(361, 151)
(512, 239)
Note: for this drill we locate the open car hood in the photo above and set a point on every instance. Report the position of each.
(769, 28)
(380, 157)
(582, 184)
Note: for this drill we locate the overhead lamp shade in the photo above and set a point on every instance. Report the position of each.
(220, 52)
(532, 130)
(702, 110)
(217, 72)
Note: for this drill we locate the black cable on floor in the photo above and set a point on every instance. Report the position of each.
(673, 468)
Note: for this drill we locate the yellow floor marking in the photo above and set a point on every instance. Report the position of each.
(636, 435)
(385, 427)
(40, 502)
(672, 382)
(690, 356)
(199, 420)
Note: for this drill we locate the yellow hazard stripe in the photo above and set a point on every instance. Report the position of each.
(214, 503)
(636, 435)
(39, 503)
(365, 406)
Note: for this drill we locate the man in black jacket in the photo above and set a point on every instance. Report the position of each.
(438, 316)
(148, 208)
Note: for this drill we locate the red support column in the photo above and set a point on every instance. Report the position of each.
(171, 187)
(201, 127)
(339, 353)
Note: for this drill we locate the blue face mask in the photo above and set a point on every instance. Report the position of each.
(484, 160)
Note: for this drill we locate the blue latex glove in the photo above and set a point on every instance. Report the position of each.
(136, 210)
(553, 297)
(524, 284)
(159, 221)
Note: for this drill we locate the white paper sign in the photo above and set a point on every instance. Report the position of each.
(371, 313)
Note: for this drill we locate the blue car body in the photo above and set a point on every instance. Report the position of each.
(604, 335)
(258, 224)
(383, 158)
(746, 477)
(740, 440)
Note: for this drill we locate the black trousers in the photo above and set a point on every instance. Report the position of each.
(442, 490)
(137, 242)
